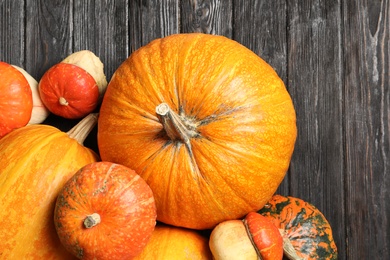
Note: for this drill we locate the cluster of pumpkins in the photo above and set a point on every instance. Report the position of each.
(195, 133)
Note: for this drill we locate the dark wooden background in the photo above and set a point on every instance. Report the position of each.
(333, 55)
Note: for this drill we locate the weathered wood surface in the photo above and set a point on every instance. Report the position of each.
(334, 57)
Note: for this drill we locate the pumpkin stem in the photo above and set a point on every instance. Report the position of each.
(176, 127)
(80, 131)
(288, 248)
(92, 220)
(63, 101)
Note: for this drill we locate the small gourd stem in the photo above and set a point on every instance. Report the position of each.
(248, 232)
(173, 125)
(63, 101)
(80, 131)
(92, 220)
(288, 248)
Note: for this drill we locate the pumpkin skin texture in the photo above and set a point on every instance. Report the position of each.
(169, 242)
(307, 228)
(16, 102)
(123, 202)
(68, 91)
(36, 161)
(206, 122)
(255, 237)
(265, 236)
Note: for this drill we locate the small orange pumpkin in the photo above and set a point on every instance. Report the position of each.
(265, 236)
(105, 211)
(169, 242)
(68, 91)
(36, 161)
(74, 87)
(16, 101)
(205, 121)
(255, 237)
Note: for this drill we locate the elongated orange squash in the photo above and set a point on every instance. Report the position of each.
(36, 161)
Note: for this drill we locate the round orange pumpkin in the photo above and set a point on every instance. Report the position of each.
(68, 91)
(16, 101)
(36, 161)
(205, 121)
(169, 242)
(105, 211)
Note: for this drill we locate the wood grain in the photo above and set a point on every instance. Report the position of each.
(367, 131)
(12, 32)
(102, 27)
(316, 85)
(334, 57)
(212, 17)
(48, 34)
(149, 20)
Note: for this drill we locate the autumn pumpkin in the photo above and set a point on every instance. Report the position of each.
(15, 100)
(255, 237)
(304, 225)
(169, 242)
(205, 121)
(36, 161)
(73, 88)
(105, 211)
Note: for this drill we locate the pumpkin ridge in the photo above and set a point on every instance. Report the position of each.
(124, 189)
(26, 156)
(118, 192)
(220, 205)
(143, 66)
(222, 177)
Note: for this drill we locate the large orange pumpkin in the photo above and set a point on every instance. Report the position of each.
(205, 121)
(36, 161)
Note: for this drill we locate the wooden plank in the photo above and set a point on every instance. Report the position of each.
(12, 32)
(102, 27)
(49, 27)
(152, 19)
(315, 81)
(367, 129)
(211, 17)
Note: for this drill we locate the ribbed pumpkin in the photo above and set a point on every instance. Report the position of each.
(305, 226)
(36, 161)
(255, 237)
(169, 242)
(205, 121)
(105, 211)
